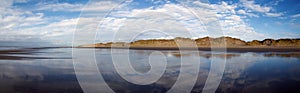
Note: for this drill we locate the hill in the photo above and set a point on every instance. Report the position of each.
(201, 42)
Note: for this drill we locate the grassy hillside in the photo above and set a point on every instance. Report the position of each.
(202, 42)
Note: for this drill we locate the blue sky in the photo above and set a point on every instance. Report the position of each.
(55, 21)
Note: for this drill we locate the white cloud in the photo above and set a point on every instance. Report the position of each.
(295, 16)
(100, 6)
(233, 24)
(5, 3)
(169, 18)
(177, 20)
(165, 19)
(59, 7)
(274, 14)
(249, 4)
(14, 19)
(19, 24)
(89, 7)
(241, 12)
(277, 2)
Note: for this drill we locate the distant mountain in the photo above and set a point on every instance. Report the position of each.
(201, 42)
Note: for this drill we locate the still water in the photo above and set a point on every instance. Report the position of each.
(51, 70)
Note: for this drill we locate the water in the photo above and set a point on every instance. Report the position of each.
(51, 70)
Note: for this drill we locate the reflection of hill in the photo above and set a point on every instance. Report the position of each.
(287, 55)
(206, 55)
(202, 42)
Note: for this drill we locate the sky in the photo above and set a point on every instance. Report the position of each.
(58, 21)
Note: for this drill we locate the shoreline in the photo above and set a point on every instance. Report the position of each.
(16, 54)
(229, 49)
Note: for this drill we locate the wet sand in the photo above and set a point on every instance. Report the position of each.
(18, 54)
(14, 54)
